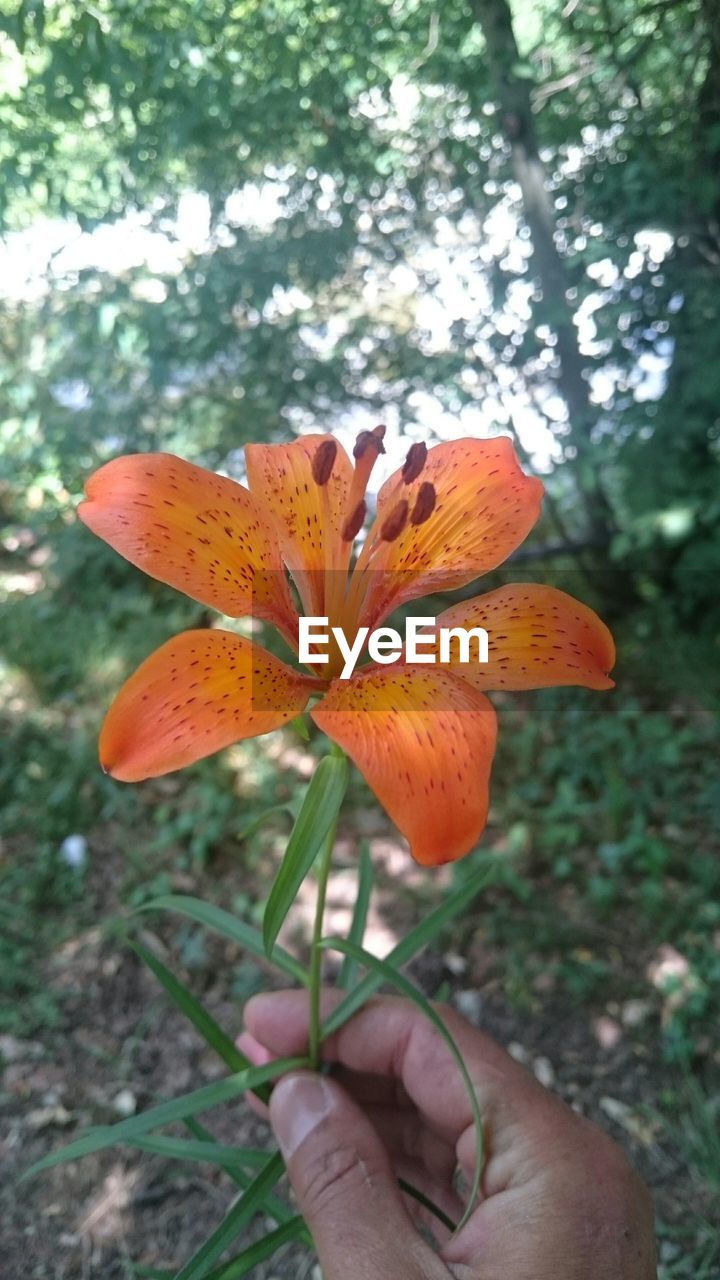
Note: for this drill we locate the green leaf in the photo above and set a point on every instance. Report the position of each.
(387, 974)
(312, 827)
(243, 1262)
(256, 823)
(191, 1104)
(235, 1219)
(194, 1011)
(275, 1207)
(300, 725)
(346, 977)
(427, 1203)
(228, 1158)
(230, 927)
(418, 937)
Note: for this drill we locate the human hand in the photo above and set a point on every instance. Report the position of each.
(558, 1199)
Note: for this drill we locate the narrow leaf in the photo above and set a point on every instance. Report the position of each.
(318, 812)
(300, 725)
(194, 1149)
(201, 1134)
(427, 1203)
(235, 1219)
(230, 927)
(191, 1104)
(242, 1263)
(346, 977)
(388, 974)
(261, 818)
(274, 1205)
(418, 937)
(194, 1011)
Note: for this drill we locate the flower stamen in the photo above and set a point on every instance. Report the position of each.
(323, 462)
(424, 503)
(354, 522)
(369, 440)
(368, 447)
(394, 524)
(414, 462)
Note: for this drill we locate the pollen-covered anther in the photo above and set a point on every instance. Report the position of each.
(354, 522)
(414, 462)
(324, 461)
(369, 440)
(424, 503)
(394, 524)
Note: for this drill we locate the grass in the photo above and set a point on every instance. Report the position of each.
(604, 805)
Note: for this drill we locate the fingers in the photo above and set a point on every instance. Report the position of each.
(390, 1038)
(587, 1215)
(407, 1137)
(443, 1197)
(558, 1197)
(345, 1186)
(392, 1114)
(258, 1055)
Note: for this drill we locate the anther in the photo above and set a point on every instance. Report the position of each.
(369, 439)
(394, 524)
(355, 522)
(414, 462)
(324, 461)
(424, 503)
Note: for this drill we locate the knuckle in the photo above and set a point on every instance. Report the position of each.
(613, 1167)
(615, 1192)
(333, 1175)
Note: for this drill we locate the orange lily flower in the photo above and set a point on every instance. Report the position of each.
(422, 736)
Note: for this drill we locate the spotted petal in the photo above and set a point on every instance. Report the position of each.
(198, 693)
(309, 516)
(424, 742)
(485, 507)
(537, 637)
(199, 532)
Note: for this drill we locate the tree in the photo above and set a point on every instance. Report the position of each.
(377, 132)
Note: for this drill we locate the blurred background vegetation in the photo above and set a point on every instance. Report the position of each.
(233, 221)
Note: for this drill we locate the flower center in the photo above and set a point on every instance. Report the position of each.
(410, 504)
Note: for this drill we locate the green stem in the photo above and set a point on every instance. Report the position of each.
(316, 955)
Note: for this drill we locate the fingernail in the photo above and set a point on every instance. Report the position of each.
(253, 1050)
(297, 1106)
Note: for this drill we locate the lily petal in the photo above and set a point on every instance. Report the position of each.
(537, 637)
(199, 532)
(424, 742)
(308, 515)
(485, 506)
(198, 693)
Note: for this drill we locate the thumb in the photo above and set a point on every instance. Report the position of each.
(344, 1184)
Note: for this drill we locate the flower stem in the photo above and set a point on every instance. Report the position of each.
(316, 954)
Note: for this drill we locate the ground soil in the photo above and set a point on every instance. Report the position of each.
(120, 1045)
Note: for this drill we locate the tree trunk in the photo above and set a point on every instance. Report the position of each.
(513, 96)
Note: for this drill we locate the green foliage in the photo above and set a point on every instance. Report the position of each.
(693, 1121)
(618, 814)
(315, 824)
(358, 131)
(229, 926)
(356, 933)
(194, 1011)
(337, 148)
(192, 1104)
(258, 1193)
